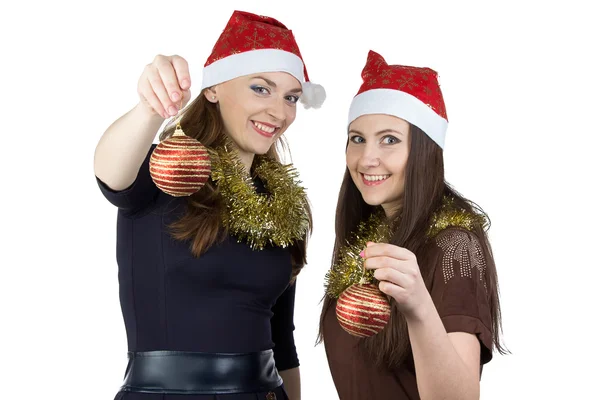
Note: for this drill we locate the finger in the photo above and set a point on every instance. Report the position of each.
(389, 250)
(166, 70)
(391, 275)
(148, 94)
(186, 97)
(381, 262)
(182, 72)
(395, 291)
(160, 91)
(402, 266)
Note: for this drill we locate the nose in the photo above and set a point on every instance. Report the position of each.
(369, 157)
(277, 108)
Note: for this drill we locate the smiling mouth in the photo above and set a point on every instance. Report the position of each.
(264, 129)
(373, 180)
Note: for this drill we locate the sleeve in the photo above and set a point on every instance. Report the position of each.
(459, 288)
(137, 196)
(282, 330)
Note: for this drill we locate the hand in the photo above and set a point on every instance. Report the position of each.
(163, 84)
(400, 277)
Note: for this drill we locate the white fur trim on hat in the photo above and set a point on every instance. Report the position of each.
(252, 62)
(402, 105)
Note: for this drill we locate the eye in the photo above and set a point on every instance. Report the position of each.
(292, 99)
(390, 140)
(260, 89)
(357, 139)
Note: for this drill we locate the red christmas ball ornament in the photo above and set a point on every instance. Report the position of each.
(363, 310)
(180, 165)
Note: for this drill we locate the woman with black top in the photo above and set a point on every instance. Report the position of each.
(208, 309)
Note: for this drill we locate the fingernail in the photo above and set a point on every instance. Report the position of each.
(172, 110)
(185, 84)
(175, 96)
(362, 254)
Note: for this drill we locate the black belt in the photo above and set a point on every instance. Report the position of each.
(180, 372)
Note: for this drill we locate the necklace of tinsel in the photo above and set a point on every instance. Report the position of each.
(362, 309)
(278, 218)
(348, 269)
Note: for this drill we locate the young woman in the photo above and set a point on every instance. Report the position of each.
(423, 247)
(207, 281)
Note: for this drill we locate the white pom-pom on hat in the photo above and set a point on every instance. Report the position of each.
(313, 95)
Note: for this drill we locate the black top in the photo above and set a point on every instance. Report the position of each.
(231, 299)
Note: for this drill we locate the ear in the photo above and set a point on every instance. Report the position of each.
(211, 95)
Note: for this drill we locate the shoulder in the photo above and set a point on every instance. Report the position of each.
(450, 215)
(456, 239)
(456, 236)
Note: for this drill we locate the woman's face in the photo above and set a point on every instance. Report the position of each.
(257, 109)
(376, 157)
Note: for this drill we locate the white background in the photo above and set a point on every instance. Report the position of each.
(521, 85)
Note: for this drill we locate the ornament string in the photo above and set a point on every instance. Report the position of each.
(179, 116)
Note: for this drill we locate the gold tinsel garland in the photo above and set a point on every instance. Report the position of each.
(348, 269)
(277, 218)
(450, 215)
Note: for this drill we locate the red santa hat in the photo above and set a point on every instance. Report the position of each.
(253, 43)
(410, 93)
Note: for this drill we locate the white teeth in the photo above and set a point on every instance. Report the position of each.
(375, 178)
(264, 128)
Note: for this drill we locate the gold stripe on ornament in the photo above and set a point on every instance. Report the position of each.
(169, 187)
(167, 184)
(356, 330)
(354, 301)
(378, 311)
(370, 288)
(178, 137)
(199, 174)
(358, 297)
(181, 148)
(181, 153)
(181, 167)
(187, 182)
(360, 333)
(188, 166)
(176, 156)
(365, 302)
(176, 141)
(173, 184)
(373, 329)
(174, 193)
(186, 150)
(359, 324)
(192, 173)
(180, 163)
(346, 314)
(364, 295)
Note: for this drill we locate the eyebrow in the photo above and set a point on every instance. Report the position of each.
(273, 84)
(377, 133)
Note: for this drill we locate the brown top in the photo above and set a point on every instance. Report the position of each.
(459, 292)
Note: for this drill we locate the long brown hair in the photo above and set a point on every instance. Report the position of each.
(201, 224)
(425, 188)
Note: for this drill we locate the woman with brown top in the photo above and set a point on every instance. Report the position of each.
(400, 226)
